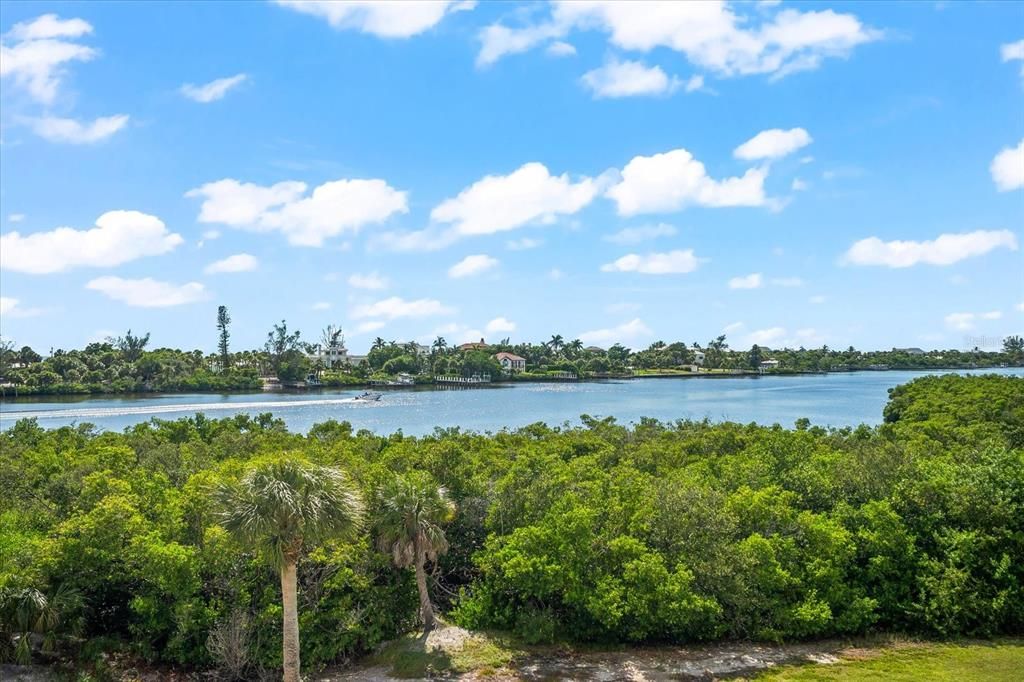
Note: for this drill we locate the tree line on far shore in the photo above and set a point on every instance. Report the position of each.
(128, 363)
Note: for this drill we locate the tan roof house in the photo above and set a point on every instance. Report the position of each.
(510, 362)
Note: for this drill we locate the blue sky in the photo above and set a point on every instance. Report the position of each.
(788, 174)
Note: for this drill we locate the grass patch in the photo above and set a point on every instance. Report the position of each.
(984, 661)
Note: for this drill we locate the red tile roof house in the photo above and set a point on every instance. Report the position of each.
(511, 362)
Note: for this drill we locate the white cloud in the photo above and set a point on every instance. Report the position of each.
(371, 326)
(673, 180)
(11, 307)
(817, 299)
(635, 235)
(16, 217)
(395, 307)
(554, 274)
(371, 280)
(629, 331)
(39, 51)
(331, 209)
(428, 239)
(119, 237)
(393, 19)
(321, 305)
(787, 282)
(772, 144)
(733, 328)
(560, 49)
(694, 83)
(1008, 168)
(766, 337)
(505, 202)
(712, 35)
(500, 325)
(240, 262)
(76, 132)
(673, 262)
(946, 249)
(1013, 52)
(798, 185)
(147, 292)
(472, 265)
(966, 321)
(1020, 306)
(214, 90)
(523, 244)
(628, 79)
(751, 281)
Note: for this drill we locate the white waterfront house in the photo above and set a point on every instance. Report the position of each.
(510, 362)
(698, 357)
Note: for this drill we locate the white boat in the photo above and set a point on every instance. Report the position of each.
(368, 396)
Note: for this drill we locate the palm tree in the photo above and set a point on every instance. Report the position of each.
(440, 345)
(379, 343)
(556, 343)
(410, 512)
(280, 506)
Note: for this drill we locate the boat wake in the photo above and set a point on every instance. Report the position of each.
(100, 412)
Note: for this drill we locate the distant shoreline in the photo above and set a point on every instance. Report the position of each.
(501, 383)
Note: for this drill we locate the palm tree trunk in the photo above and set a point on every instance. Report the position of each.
(426, 608)
(291, 622)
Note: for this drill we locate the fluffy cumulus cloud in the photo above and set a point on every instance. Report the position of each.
(214, 90)
(370, 280)
(369, 326)
(674, 180)
(34, 54)
(395, 307)
(72, 131)
(624, 333)
(240, 262)
(119, 237)
(946, 249)
(719, 37)
(635, 235)
(675, 262)
(472, 265)
(500, 325)
(529, 194)
(967, 321)
(331, 209)
(148, 292)
(393, 19)
(773, 144)
(628, 79)
(1008, 168)
(752, 281)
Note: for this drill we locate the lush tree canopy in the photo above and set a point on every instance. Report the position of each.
(657, 532)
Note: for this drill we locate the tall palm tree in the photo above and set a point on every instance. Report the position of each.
(556, 343)
(280, 506)
(379, 343)
(410, 513)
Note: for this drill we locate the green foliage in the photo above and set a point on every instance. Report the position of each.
(669, 532)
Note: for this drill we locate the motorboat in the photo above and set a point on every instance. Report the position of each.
(368, 396)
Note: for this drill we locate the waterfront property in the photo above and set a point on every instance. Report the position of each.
(510, 362)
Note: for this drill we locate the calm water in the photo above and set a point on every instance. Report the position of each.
(827, 400)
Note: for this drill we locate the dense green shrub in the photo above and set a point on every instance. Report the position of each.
(657, 532)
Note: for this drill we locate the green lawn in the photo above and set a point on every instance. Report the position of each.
(984, 661)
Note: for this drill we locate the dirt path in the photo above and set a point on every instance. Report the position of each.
(653, 664)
